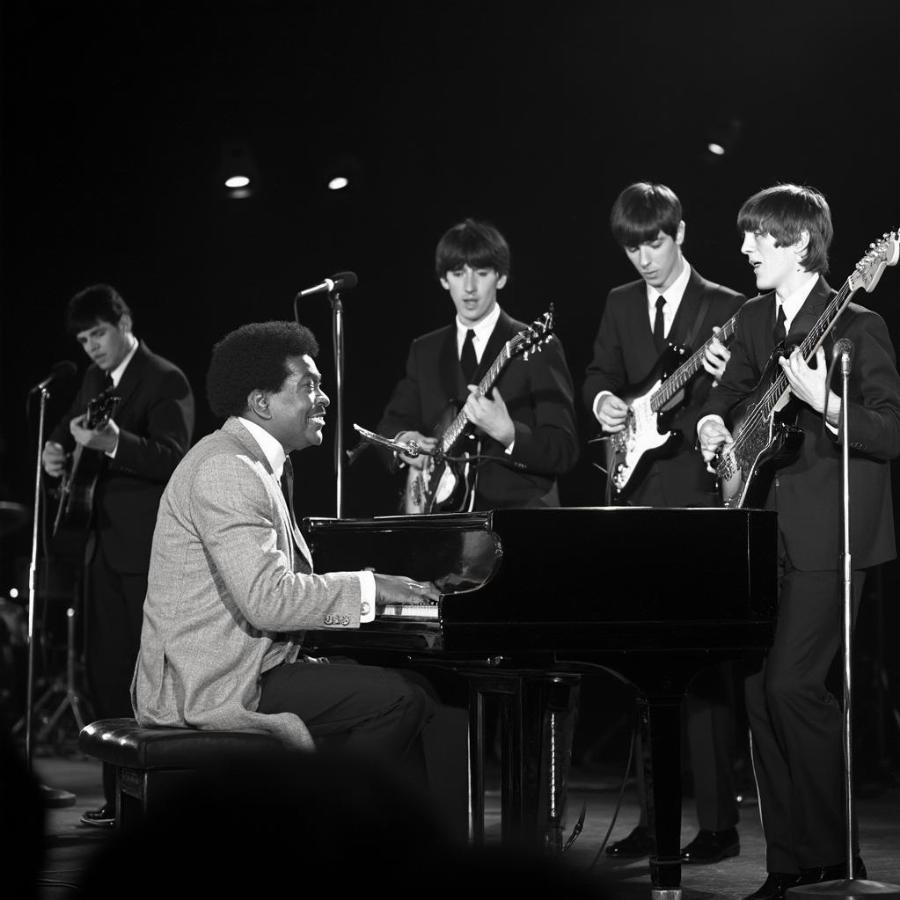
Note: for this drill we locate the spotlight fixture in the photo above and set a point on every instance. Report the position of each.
(338, 183)
(237, 170)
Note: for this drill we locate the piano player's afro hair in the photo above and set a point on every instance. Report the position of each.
(253, 357)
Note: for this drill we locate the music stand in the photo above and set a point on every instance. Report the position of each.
(51, 797)
(849, 887)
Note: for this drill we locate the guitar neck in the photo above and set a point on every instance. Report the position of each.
(807, 347)
(455, 429)
(686, 371)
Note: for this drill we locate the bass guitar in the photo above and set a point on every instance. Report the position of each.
(76, 489)
(764, 435)
(651, 405)
(445, 483)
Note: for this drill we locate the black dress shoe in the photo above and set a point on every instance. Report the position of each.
(638, 844)
(105, 817)
(775, 886)
(711, 847)
(837, 872)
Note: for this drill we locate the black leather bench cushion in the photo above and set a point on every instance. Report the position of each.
(122, 742)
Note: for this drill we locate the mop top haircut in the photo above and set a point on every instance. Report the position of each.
(785, 211)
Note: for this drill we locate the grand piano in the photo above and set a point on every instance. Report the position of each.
(534, 598)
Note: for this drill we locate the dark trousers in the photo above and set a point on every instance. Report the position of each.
(372, 710)
(796, 725)
(113, 609)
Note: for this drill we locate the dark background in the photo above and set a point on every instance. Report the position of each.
(114, 117)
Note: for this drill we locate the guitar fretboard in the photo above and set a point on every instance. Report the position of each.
(686, 371)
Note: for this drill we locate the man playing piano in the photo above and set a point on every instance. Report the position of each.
(526, 424)
(232, 586)
(670, 301)
(796, 724)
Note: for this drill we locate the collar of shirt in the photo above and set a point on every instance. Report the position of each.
(793, 302)
(269, 445)
(482, 332)
(673, 294)
(119, 370)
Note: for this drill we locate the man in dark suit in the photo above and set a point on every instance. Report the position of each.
(796, 723)
(527, 422)
(137, 450)
(670, 302)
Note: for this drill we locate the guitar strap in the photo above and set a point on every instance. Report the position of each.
(701, 315)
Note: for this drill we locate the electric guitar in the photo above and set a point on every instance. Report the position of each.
(447, 485)
(76, 489)
(646, 436)
(765, 436)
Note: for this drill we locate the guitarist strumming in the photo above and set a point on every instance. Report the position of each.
(796, 724)
(132, 454)
(670, 302)
(523, 431)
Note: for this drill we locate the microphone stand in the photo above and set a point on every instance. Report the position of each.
(848, 887)
(337, 339)
(50, 796)
(337, 331)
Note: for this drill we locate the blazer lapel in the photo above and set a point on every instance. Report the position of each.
(687, 310)
(233, 427)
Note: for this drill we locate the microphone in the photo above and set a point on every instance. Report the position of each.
(61, 371)
(340, 281)
(843, 348)
(410, 448)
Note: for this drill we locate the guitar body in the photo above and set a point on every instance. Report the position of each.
(764, 444)
(76, 490)
(441, 485)
(646, 435)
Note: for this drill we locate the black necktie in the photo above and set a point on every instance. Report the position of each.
(467, 358)
(659, 326)
(108, 385)
(778, 331)
(287, 488)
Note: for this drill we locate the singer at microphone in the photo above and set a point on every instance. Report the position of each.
(341, 281)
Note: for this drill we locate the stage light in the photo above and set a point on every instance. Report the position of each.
(237, 170)
(715, 149)
(338, 183)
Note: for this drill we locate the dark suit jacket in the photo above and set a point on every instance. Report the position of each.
(156, 421)
(807, 493)
(625, 354)
(538, 393)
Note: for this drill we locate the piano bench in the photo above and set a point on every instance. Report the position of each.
(150, 763)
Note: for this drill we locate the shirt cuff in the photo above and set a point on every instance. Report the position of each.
(707, 417)
(366, 597)
(597, 400)
(112, 453)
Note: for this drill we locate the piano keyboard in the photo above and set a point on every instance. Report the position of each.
(409, 611)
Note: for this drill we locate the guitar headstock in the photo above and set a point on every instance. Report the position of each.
(532, 339)
(100, 410)
(881, 254)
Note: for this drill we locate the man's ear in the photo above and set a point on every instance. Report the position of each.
(679, 233)
(258, 403)
(125, 324)
(501, 282)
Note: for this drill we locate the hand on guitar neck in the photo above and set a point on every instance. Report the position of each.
(488, 412)
(104, 437)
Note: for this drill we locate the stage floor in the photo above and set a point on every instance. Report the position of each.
(69, 844)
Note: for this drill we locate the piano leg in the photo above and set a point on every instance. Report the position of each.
(537, 714)
(661, 720)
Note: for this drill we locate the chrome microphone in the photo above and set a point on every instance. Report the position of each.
(410, 448)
